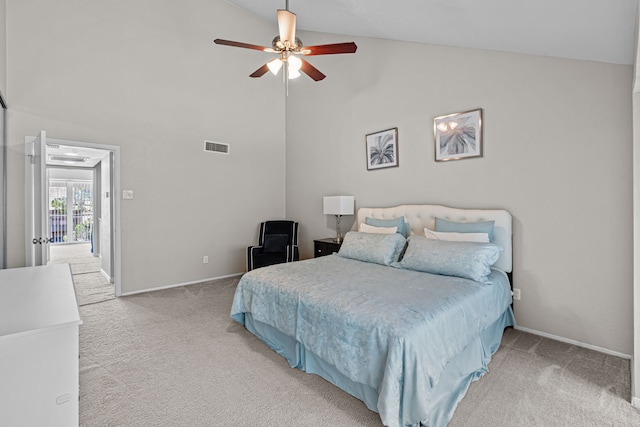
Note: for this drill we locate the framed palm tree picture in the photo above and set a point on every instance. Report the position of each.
(458, 136)
(382, 149)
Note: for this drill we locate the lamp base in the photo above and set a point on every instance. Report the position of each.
(338, 238)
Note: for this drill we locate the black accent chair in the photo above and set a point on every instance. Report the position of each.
(277, 243)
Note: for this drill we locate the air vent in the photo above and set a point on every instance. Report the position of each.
(74, 159)
(53, 145)
(216, 147)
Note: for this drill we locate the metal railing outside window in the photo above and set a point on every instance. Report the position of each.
(70, 222)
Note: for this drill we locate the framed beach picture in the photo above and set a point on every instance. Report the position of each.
(382, 149)
(458, 136)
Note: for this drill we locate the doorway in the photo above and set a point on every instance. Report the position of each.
(70, 187)
(73, 211)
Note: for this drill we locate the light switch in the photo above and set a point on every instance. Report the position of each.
(127, 194)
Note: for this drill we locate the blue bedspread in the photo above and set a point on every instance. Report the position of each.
(391, 329)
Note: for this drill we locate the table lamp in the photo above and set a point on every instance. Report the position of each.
(338, 206)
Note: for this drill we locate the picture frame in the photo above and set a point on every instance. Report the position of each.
(458, 136)
(382, 149)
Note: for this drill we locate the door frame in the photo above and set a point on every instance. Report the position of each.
(116, 237)
(35, 201)
(3, 183)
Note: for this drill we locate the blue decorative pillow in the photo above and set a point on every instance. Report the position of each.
(369, 247)
(469, 260)
(465, 227)
(403, 228)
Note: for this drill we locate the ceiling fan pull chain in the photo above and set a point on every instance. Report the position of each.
(285, 75)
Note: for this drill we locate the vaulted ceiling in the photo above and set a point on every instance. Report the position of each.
(596, 30)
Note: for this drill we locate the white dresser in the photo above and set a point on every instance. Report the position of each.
(39, 370)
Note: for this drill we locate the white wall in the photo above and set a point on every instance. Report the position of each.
(146, 76)
(557, 155)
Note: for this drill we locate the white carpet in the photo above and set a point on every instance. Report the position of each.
(175, 358)
(91, 286)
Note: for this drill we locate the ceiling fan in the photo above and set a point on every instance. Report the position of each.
(289, 47)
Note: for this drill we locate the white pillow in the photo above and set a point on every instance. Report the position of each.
(364, 228)
(456, 237)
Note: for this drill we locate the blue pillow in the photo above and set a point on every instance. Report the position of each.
(465, 227)
(369, 247)
(403, 228)
(469, 260)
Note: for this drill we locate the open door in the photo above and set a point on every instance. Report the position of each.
(37, 240)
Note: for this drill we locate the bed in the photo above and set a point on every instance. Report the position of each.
(402, 321)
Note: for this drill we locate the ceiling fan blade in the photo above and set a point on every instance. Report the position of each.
(287, 25)
(260, 71)
(311, 71)
(243, 45)
(329, 49)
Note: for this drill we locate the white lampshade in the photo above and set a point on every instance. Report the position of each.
(338, 205)
(294, 63)
(293, 74)
(274, 65)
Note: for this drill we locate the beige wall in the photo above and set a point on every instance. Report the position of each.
(3, 47)
(635, 363)
(557, 145)
(557, 155)
(146, 76)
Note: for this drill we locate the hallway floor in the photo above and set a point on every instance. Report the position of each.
(91, 285)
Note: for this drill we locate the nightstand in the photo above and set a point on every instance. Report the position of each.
(322, 247)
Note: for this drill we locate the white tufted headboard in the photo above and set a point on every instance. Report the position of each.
(421, 216)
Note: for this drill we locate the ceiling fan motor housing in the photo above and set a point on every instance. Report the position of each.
(278, 45)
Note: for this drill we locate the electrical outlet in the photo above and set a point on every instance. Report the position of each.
(205, 259)
(516, 294)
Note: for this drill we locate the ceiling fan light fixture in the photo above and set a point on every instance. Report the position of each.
(294, 63)
(293, 67)
(274, 65)
(293, 74)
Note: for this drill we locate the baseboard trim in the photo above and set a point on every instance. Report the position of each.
(106, 276)
(635, 402)
(574, 342)
(159, 288)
